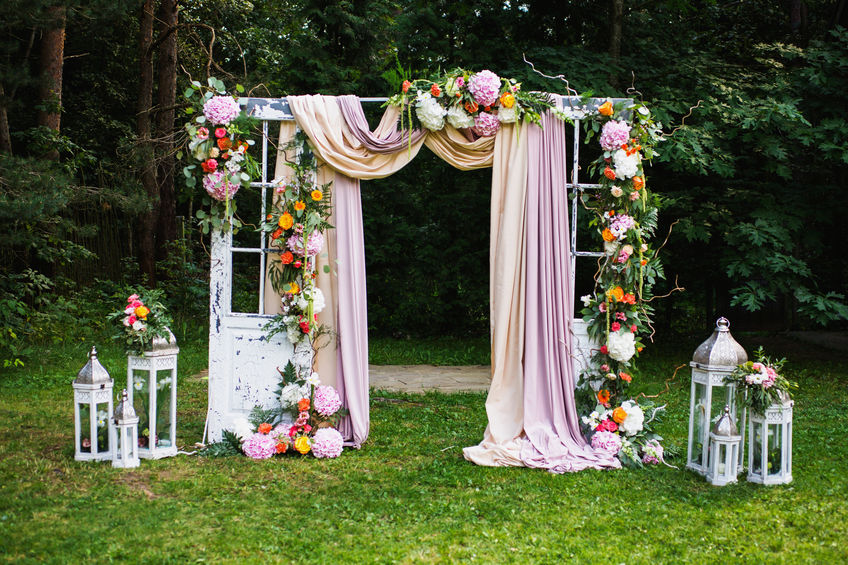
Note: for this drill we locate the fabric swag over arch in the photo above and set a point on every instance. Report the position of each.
(532, 420)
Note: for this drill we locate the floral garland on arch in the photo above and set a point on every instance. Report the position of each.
(217, 149)
(618, 312)
(481, 101)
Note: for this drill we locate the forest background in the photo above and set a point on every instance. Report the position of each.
(91, 113)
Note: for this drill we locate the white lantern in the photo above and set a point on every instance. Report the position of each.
(125, 435)
(725, 442)
(770, 444)
(152, 385)
(92, 411)
(714, 360)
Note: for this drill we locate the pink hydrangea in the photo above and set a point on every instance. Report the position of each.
(652, 453)
(607, 441)
(218, 186)
(327, 443)
(484, 87)
(314, 244)
(486, 125)
(221, 110)
(614, 135)
(326, 401)
(260, 446)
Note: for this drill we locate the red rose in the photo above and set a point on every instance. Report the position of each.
(287, 257)
(304, 327)
(298, 264)
(604, 350)
(615, 326)
(606, 426)
(209, 165)
(633, 329)
(220, 132)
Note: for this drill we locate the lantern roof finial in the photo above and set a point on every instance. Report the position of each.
(720, 350)
(725, 427)
(125, 413)
(93, 373)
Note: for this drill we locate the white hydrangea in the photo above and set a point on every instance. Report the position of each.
(508, 115)
(459, 118)
(430, 113)
(625, 165)
(318, 302)
(621, 345)
(635, 420)
(242, 428)
(293, 392)
(611, 247)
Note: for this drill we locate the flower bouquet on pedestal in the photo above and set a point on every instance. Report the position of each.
(141, 320)
(759, 383)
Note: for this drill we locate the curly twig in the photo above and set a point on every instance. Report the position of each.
(632, 89)
(683, 119)
(558, 77)
(665, 390)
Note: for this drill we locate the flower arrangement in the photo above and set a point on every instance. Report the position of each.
(217, 149)
(142, 319)
(759, 383)
(618, 311)
(481, 101)
(304, 422)
(296, 224)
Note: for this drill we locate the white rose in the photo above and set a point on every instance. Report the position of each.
(129, 310)
(430, 113)
(611, 247)
(627, 248)
(621, 345)
(626, 166)
(139, 326)
(507, 115)
(616, 191)
(635, 420)
(127, 321)
(459, 118)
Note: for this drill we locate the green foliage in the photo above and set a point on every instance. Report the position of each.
(228, 446)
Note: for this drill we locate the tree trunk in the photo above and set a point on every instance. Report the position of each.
(5, 135)
(51, 61)
(614, 51)
(166, 99)
(146, 225)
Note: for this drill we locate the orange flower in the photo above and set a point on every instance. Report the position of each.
(317, 195)
(617, 293)
(224, 143)
(435, 90)
(605, 109)
(639, 349)
(277, 233)
(628, 298)
(286, 221)
(286, 258)
(625, 377)
(265, 427)
(609, 173)
(619, 415)
(643, 262)
(142, 312)
(406, 85)
(638, 183)
(282, 447)
(471, 107)
(303, 404)
(299, 205)
(507, 100)
(294, 288)
(603, 396)
(269, 216)
(607, 235)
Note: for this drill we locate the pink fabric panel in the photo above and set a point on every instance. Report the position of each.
(552, 432)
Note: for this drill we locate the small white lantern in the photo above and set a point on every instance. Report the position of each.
(770, 444)
(125, 435)
(714, 360)
(725, 442)
(152, 385)
(92, 411)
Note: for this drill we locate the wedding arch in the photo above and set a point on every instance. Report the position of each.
(536, 345)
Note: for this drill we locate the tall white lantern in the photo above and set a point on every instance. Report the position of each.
(125, 435)
(92, 411)
(152, 385)
(770, 444)
(714, 360)
(725, 442)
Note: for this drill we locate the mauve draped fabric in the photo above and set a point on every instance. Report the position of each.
(552, 432)
(357, 123)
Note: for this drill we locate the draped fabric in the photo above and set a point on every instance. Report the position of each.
(530, 406)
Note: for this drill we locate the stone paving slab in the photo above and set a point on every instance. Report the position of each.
(420, 378)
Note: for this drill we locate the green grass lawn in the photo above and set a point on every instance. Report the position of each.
(408, 496)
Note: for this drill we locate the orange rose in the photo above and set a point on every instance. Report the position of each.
(286, 221)
(617, 293)
(507, 100)
(609, 173)
(625, 377)
(603, 396)
(471, 107)
(303, 404)
(619, 415)
(224, 143)
(286, 258)
(607, 235)
(638, 183)
(299, 205)
(142, 311)
(435, 90)
(277, 233)
(605, 109)
(628, 298)
(282, 447)
(265, 428)
(317, 195)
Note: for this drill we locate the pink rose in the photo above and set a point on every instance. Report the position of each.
(606, 426)
(620, 316)
(615, 326)
(137, 303)
(132, 320)
(633, 329)
(127, 322)
(602, 306)
(202, 133)
(220, 132)
(605, 368)
(623, 257)
(132, 298)
(757, 366)
(634, 196)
